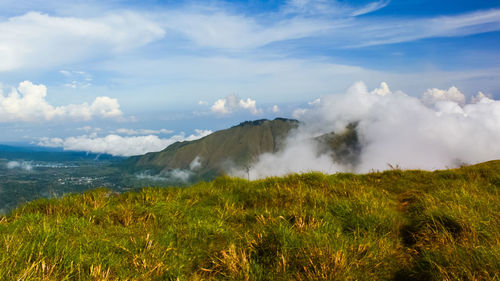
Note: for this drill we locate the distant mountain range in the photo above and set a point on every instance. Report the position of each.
(238, 148)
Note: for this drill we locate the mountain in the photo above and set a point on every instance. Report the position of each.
(210, 156)
(238, 147)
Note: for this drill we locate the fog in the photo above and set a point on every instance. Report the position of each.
(26, 166)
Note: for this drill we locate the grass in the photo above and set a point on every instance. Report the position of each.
(394, 225)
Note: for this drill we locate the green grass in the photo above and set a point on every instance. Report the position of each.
(394, 225)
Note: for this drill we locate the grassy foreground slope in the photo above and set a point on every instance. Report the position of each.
(394, 225)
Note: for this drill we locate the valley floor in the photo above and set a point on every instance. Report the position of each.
(393, 225)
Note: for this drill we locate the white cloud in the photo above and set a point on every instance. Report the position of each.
(275, 109)
(219, 106)
(383, 90)
(217, 28)
(27, 103)
(250, 105)
(195, 164)
(19, 165)
(36, 40)
(299, 157)
(131, 132)
(370, 7)
(179, 174)
(329, 8)
(480, 97)
(68, 39)
(119, 145)
(198, 134)
(168, 176)
(233, 103)
(433, 96)
(393, 128)
(395, 30)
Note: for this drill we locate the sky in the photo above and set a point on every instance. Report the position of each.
(128, 77)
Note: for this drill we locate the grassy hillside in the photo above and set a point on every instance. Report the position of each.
(395, 225)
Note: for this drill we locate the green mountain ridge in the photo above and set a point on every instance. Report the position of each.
(239, 147)
(234, 147)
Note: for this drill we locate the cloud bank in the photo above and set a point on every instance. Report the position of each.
(118, 145)
(27, 103)
(439, 130)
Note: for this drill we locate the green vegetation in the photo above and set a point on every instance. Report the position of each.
(394, 225)
(45, 172)
(18, 186)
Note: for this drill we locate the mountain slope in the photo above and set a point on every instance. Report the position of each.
(234, 147)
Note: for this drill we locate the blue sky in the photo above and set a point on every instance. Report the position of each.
(169, 67)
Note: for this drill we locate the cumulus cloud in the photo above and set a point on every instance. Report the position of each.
(39, 40)
(480, 96)
(433, 96)
(382, 91)
(393, 129)
(234, 103)
(27, 103)
(119, 145)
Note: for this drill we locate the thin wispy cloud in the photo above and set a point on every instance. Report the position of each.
(223, 28)
(226, 30)
(131, 132)
(389, 31)
(330, 8)
(62, 40)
